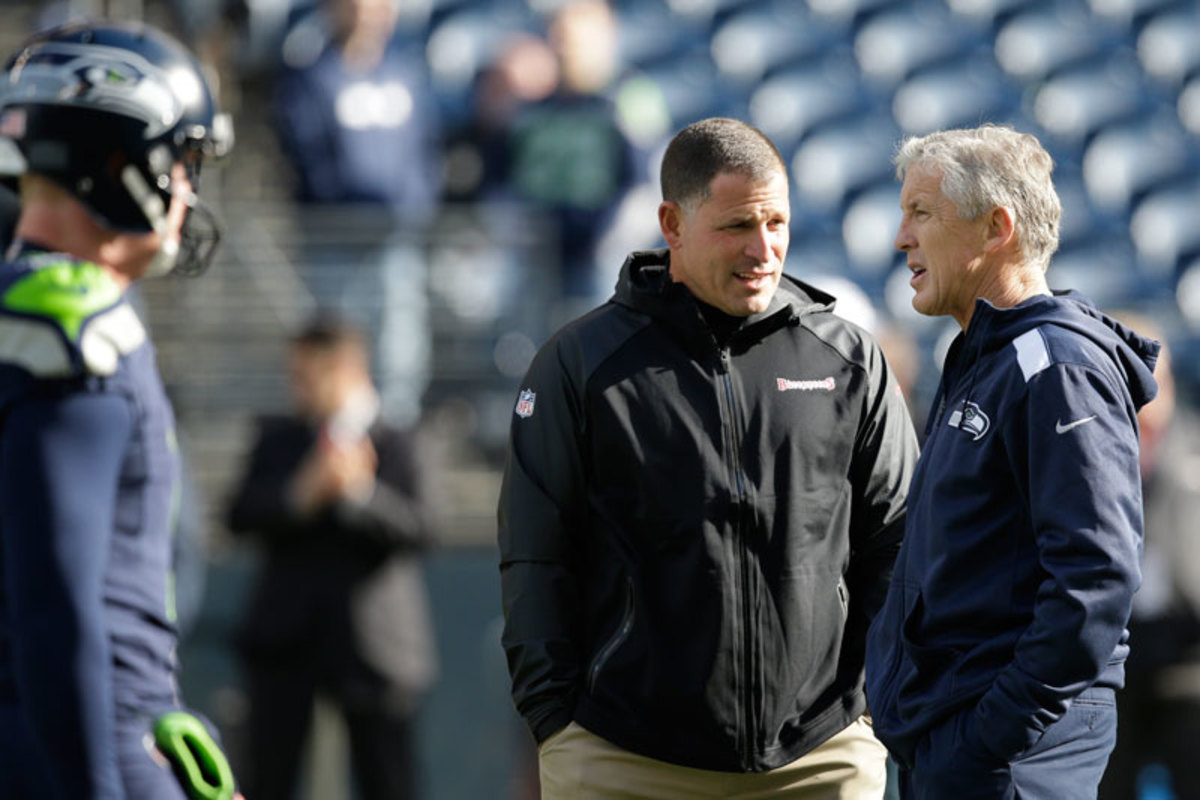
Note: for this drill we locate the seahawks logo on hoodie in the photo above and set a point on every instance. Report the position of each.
(971, 419)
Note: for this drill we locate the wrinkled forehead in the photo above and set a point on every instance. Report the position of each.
(922, 182)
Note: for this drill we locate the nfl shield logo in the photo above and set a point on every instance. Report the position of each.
(525, 403)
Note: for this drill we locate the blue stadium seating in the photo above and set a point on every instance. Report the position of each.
(1036, 45)
(1100, 267)
(1077, 103)
(842, 158)
(892, 46)
(1124, 161)
(790, 104)
(869, 229)
(1169, 45)
(756, 43)
(964, 92)
(1111, 87)
(1164, 229)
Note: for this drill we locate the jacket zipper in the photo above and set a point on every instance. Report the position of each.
(615, 640)
(744, 571)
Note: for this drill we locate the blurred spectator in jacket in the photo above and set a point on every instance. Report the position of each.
(1159, 710)
(356, 119)
(354, 111)
(568, 155)
(334, 494)
(525, 71)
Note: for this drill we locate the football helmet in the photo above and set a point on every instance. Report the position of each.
(106, 110)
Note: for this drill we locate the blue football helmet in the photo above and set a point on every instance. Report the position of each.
(106, 110)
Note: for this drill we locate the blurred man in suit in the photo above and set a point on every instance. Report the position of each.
(334, 495)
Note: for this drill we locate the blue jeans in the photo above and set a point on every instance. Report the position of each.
(1066, 763)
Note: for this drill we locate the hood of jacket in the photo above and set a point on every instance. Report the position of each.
(645, 285)
(993, 328)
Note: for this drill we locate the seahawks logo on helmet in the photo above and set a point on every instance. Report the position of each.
(106, 110)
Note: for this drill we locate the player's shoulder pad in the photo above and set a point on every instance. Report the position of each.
(64, 316)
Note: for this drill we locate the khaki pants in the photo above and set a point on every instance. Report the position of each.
(578, 765)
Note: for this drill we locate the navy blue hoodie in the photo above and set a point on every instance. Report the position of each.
(88, 492)
(1013, 586)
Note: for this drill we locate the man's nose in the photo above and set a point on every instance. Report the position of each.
(759, 243)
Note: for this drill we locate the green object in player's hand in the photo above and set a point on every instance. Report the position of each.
(198, 761)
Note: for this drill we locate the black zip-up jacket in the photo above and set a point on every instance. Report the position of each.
(695, 534)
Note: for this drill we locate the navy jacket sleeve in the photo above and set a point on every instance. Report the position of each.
(885, 456)
(540, 497)
(1074, 447)
(59, 467)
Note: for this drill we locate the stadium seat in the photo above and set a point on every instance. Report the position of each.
(843, 157)
(706, 11)
(853, 11)
(851, 301)
(464, 43)
(750, 45)
(690, 85)
(790, 104)
(1188, 106)
(1080, 219)
(1126, 12)
(892, 45)
(869, 228)
(1187, 294)
(1102, 268)
(1123, 161)
(966, 92)
(1169, 45)
(989, 12)
(811, 254)
(1079, 102)
(1035, 45)
(898, 294)
(649, 31)
(1164, 228)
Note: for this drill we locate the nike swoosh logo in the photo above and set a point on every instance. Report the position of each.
(1060, 428)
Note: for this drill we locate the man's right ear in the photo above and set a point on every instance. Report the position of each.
(670, 222)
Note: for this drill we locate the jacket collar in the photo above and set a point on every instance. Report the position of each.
(645, 285)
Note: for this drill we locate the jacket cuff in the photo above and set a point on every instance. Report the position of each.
(550, 724)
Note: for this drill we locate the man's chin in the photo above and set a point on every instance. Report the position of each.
(758, 303)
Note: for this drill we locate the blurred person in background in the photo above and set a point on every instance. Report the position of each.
(1159, 723)
(108, 124)
(992, 668)
(354, 114)
(525, 71)
(703, 497)
(357, 121)
(567, 155)
(335, 496)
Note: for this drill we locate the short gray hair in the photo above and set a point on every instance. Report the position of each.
(989, 166)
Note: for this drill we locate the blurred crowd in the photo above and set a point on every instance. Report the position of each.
(465, 175)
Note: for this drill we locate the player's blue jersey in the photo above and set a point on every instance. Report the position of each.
(89, 479)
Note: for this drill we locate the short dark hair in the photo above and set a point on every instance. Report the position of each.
(704, 149)
(328, 332)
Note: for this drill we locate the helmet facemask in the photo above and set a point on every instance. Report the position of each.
(108, 112)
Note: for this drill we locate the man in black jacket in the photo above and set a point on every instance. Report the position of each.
(335, 495)
(704, 495)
